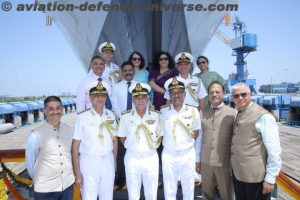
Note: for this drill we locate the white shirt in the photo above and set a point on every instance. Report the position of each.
(119, 97)
(137, 142)
(32, 150)
(267, 126)
(194, 85)
(109, 71)
(83, 97)
(175, 138)
(94, 140)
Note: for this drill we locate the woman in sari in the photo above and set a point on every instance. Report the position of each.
(163, 69)
(207, 76)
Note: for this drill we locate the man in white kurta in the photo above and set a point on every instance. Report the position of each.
(94, 147)
(181, 125)
(140, 131)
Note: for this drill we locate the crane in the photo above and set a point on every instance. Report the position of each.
(243, 43)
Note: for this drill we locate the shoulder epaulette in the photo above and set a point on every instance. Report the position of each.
(164, 106)
(153, 110)
(126, 111)
(192, 106)
(83, 111)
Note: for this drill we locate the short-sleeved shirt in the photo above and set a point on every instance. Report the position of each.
(160, 79)
(94, 133)
(136, 138)
(175, 137)
(194, 91)
(112, 73)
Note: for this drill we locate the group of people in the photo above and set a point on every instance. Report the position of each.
(129, 120)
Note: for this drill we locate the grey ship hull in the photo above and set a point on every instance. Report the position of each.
(178, 31)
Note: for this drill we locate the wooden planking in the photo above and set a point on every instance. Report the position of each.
(290, 147)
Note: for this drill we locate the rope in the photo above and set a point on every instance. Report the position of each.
(153, 143)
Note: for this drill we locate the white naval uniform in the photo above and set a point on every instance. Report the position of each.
(96, 153)
(83, 97)
(109, 71)
(141, 159)
(179, 155)
(119, 97)
(194, 85)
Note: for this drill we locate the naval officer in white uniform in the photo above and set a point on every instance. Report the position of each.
(195, 91)
(112, 70)
(140, 131)
(94, 146)
(181, 126)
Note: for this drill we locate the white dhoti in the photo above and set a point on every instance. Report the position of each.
(98, 177)
(175, 165)
(141, 168)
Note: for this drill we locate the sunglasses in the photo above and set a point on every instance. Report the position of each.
(203, 62)
(243, 95)
(135, 59)
(164, 58)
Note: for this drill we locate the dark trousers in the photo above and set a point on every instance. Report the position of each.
(249, 191)
(67, 194)
(120, 176)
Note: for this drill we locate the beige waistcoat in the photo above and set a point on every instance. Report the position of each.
(248, 150)
(217, 127)
(53, 167)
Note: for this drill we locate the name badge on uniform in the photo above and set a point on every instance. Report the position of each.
(150, 121)
(110, 121)
(188, 117)
(194, 84)
(91, 124)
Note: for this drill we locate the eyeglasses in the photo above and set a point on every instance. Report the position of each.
(243, 95)
(199, 63)
(135, 59)
(164, 58)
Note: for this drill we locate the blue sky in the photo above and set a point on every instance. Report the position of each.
(36, 59)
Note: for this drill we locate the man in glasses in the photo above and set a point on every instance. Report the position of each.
(255, 148)
(140, 132)
(195, 91)
(217, 125)
(181, 126)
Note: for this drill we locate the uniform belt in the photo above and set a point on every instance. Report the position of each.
(141, 154)
(177, 152)
(95, 157)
